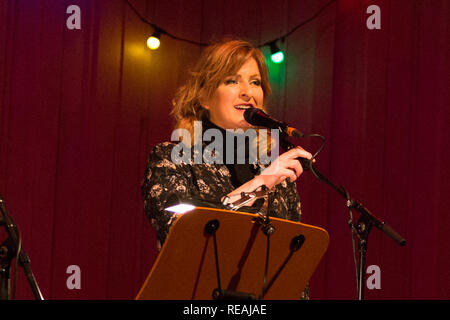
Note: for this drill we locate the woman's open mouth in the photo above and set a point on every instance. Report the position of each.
(243, 107)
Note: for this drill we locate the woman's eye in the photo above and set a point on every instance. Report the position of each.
(256, 82)
(230, 81)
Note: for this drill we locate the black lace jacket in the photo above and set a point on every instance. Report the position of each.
(164, 179)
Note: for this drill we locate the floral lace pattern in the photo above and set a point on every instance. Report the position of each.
(165, 181)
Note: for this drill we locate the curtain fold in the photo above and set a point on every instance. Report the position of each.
(80, 110)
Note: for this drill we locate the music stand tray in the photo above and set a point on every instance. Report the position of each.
(193, 263)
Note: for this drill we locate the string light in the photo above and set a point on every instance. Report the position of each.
(161, 30)
(153, 42)
(277, 56)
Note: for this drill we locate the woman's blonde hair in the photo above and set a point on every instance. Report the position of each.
(217, 62)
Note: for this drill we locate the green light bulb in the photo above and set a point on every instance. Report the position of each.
(277, 57)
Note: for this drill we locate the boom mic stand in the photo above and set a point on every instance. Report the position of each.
(11, 247)
(366, 220)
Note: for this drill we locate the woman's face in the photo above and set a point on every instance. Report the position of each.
(234, 95)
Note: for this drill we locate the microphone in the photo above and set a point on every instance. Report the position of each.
(259, 118)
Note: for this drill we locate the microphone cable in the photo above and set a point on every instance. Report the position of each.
(310, 161)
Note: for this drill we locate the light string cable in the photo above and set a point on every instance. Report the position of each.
(282, 38)
(301, 24)
(161, 30)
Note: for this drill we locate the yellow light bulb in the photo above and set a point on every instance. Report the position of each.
(153, 43)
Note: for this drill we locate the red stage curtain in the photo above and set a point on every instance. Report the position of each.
(81, 109)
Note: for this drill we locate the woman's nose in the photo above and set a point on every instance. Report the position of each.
(244, 93)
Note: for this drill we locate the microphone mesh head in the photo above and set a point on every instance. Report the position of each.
(259, 118)
(248, 114)
(255, 117)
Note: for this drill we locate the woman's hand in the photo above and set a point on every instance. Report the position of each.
(285, 166)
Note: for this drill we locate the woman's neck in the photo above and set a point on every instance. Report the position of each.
(230, 138)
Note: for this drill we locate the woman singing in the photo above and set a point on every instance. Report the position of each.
(228, 78)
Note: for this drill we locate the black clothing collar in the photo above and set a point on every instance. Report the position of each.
(240, 173)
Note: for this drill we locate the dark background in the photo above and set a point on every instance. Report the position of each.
(81, 109)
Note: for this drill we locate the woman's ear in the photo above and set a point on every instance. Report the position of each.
(204, 104)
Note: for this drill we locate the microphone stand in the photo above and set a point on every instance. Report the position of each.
(366, 220)
(11, 247)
